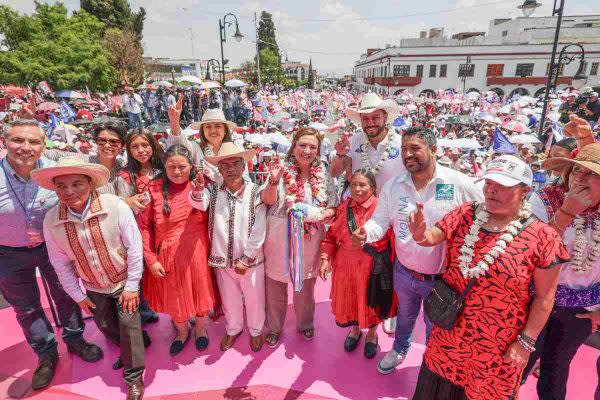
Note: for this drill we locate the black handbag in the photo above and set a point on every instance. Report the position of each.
(443, 305)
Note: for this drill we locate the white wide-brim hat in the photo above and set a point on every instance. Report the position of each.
(213, 115)
(371, 102)
(74, 165)
(230, 150)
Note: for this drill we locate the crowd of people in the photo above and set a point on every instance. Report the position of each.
(444, 203)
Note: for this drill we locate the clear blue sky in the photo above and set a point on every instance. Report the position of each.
(333, 32)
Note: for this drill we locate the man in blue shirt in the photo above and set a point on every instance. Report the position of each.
(23, 205)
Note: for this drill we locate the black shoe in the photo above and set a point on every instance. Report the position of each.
(45, 371)
(177, 346)
(147, 340)
(118, 364)
(350, 343)
(86, 351)
(202, 342)
(371, 349)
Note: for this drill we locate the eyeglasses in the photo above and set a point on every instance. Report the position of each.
(111, 142)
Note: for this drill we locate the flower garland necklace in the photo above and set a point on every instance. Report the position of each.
(467, 250)
(580, 264)
(365, 157)
(294, 188)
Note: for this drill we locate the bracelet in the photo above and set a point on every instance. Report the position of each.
(528, 347)
(566, 213)
(527, 338)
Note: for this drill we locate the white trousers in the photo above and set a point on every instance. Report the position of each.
(238, 291)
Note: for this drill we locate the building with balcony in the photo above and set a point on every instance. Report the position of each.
(512, 57)
(295, 70)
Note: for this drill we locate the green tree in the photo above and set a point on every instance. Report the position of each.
(270, 67)
(266, 35)
(52, 46)
(117, 14)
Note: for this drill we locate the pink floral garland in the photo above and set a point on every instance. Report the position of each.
(294, 189)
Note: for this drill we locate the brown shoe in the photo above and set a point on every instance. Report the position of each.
(136, 391)
(228, 341)
(256, 343)
(45, 370)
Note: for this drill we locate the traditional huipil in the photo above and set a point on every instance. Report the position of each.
(179, 242)
(237, 232)
(102, 247)
(353, 268)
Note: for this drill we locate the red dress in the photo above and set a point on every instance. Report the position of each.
(495, 310)
(178, 241)
(351, 267)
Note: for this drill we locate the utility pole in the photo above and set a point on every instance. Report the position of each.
(257, 51)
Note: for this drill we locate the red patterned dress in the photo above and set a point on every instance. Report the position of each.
(470, 356)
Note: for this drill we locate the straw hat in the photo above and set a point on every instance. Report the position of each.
(230, 150)
(71, 166)
(213, 115)
(371, 102)
(588, 157)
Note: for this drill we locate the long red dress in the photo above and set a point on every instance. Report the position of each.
(351, 267)
(179, 241)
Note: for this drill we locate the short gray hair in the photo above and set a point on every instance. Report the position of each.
(422, 133)
(21, 122)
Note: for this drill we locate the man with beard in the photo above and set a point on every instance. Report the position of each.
(378, 150)
(440, 190)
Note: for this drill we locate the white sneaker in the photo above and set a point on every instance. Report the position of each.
(389, 325)
(391, 360)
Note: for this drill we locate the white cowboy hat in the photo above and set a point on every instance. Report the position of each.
(230, 150)
(371, 102)
(213, 115)
(72, 165)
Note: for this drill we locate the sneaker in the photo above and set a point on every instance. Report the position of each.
(391, 360)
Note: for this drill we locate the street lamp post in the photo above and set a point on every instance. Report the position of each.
(173, 75)
(237, 35)
(565, 58)
(208, 64)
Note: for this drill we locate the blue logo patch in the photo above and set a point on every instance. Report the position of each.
(394, 152)
(444, 191)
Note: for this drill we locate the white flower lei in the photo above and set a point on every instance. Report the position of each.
(467, 250)
(579, 263)
(365, 157)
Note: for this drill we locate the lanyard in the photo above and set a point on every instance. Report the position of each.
(28, 213)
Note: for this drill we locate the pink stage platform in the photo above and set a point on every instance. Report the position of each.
(296, 369)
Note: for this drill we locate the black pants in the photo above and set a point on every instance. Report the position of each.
(124, 330)
(556, 346)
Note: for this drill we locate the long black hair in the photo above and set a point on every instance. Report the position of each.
(133, 166)
(175, 150)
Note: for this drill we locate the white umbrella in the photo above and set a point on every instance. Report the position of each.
(165, 83)
(235, 83)
(210, 85)
(465, 143)
(553, 116)
(318, 126)
(258, 138)
(190, 79)
(523, 139)
(279, 138)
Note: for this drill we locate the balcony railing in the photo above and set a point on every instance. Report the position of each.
(527, 80)
(393, 80)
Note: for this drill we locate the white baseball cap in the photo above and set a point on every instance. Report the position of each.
(508, 171)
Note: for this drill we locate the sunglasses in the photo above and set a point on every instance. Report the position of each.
(111, 142)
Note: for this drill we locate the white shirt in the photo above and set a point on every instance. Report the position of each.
(235, 234)
(447, 190)
(132, 103)
(132, 241)
(391, 167)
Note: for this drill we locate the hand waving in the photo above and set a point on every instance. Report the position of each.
(578, 128)
(417, 224)
(275, 169)
(175, 111)
(342, 146)
(198, 185)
